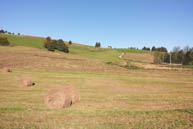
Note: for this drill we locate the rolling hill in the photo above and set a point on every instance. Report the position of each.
(102, 54)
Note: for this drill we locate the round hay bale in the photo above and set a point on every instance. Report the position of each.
(7, 69)
(62, 97)
(27, 82)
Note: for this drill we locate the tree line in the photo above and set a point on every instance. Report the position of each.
(7, 32)
(159, 49)
(177, 56)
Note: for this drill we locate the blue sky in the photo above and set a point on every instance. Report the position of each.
(119, 23)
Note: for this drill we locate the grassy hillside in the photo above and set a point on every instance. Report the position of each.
(128, 50)
(131, 59)
(102, 54)
(21, 40)
(140, 57)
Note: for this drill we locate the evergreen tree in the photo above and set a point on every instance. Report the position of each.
(70, 42)
(98, 44)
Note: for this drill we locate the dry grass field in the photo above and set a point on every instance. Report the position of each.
(112, 97)
(140, 57)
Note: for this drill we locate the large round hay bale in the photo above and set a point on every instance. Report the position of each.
(27, 82)
(62, 97)
(7, 69)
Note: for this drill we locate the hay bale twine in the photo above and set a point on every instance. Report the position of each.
(27, 82)
(62, 97)
(7, 69)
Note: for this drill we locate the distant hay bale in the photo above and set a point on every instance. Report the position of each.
(7, 69)
(62, 97)
(27, 82)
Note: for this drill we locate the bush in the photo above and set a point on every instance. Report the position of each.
(51, 45)
(188, 58)
(158, 57)
(182, 56)
(4, 41)
(160, 49)
(2, 31)
(146, 48)
(46, 41)
(153, 48)
(66, 48)
(70, 42)
(61, 46)
(98, 44)
(54, 43)
(167, 57)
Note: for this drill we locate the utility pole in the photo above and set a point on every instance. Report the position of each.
(170, 58)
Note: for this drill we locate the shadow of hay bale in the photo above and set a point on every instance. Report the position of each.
(6, 69)
(27, 82)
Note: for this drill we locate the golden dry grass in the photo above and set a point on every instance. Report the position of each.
(31, 58)
(140, 57)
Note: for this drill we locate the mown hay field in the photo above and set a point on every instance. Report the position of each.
(111, 96)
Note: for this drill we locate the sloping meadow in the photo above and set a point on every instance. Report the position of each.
(132, 99)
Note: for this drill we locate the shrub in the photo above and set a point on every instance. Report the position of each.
(98, 44)
(61, 46)
(188, 58)
(160, 49)
(51, 45)
(158, 57)
(167, 57)
(66, 48)
(70, 42)
(146, 48)
(4, 41)
(153, 48)
(54, 43)
(2, 31)
(46, 41)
